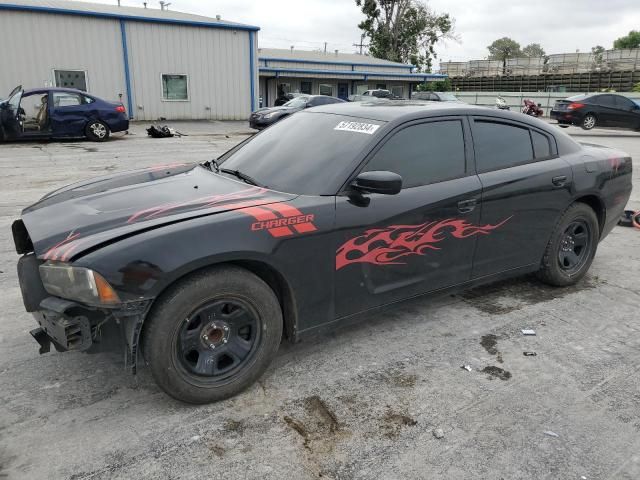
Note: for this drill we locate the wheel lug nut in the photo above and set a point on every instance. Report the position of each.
(205, 337)
(212, 347)
(224, 341)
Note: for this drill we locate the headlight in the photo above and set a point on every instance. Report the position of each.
(271, 115)
(77, 283)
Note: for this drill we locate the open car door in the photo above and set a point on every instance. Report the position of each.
(10, 122)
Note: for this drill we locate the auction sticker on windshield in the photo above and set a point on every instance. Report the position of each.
(368, 128)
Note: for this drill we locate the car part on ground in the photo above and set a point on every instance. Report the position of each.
(323, 218)
(531, 108)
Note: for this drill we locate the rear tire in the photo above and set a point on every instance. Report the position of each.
(572, 247)
(97, 131)
(589, 121)
(212, 334)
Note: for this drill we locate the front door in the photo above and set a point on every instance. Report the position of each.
(526, 187)
(628, 112)
(391, 247)
(343, 91)
(10, 116)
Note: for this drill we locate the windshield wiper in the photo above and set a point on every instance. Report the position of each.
(240, 175)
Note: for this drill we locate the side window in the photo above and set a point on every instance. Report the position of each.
(87, 100)
(64, 99)
(423, 154)
(541, 145)
(623, 103)
(500, 145)
(605, 100)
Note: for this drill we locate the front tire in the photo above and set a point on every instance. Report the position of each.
(589, 121)
(97, 131)
(572, 247)
(212, 335)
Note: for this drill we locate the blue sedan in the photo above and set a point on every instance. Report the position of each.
(59, 113)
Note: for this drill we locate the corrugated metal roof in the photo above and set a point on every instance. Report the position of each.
(315, 56)
(131, 13)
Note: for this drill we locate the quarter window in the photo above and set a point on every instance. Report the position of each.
(423, 154)
(174, 87)
(541, 145)
(499, 145)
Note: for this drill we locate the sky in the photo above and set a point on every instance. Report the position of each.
(560, 26)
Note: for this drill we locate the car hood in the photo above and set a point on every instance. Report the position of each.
(264, 111)
(86, 214)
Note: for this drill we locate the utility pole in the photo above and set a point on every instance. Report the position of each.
(325, 48)
(361, 44)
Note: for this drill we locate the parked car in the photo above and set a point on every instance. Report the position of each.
(370, 98)
(323, 218)
(435, 96)
(378, 92)
(600, 109)
(61, 112)
(285, 97)
(264, 117)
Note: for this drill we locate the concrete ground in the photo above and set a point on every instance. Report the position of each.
(366, 402)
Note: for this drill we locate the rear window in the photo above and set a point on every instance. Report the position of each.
(306, 153)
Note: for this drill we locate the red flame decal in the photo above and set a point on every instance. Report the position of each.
(389, 245)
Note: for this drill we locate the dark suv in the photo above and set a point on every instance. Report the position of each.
(600, 109)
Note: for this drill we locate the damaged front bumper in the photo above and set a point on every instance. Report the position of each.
(73, 326)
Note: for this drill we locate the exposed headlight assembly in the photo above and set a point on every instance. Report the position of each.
(77, 283)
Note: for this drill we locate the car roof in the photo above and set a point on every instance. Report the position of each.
(53, 89)
(399, 111)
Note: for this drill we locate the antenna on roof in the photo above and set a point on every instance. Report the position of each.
(145, 4)
(292, 46)
(164, 5)
(218, 17)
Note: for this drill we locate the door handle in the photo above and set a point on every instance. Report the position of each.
(559, 181)
(466, 206)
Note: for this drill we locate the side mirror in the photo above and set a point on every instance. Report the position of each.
(385, 183)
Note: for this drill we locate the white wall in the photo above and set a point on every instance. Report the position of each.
(33, 44)
(215, 60)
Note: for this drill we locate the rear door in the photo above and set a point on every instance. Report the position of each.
(390, 247)
(606, 111)
(628, 112)
(525, 188)
(69, 114)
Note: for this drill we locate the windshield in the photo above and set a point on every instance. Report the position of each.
(297, 102)
(306, 153)
(448, 97)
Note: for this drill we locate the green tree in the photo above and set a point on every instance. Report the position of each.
(533, 50)
(597, 52)
(628, 41)
(404, 30)
(502, 49)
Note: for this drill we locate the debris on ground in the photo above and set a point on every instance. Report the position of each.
(529, 354)
(467, 368)
(163, 132)
(438, 433)
(630, 218)
(528, 331)
(551, 434)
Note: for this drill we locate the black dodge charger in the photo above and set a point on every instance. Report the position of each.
(323, 218)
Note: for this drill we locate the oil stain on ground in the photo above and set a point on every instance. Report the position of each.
(507, 296)
(394, 422)
(496, 372)
(490, 344)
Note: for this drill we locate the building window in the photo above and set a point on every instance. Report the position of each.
(397, 91)
(360, 89)
(381, 86)
(326, 89)
(71, 79)
(175, 87)
(305, 87)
